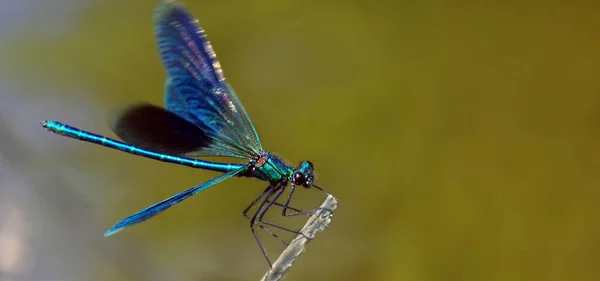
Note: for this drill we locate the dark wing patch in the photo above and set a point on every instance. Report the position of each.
(154, 128)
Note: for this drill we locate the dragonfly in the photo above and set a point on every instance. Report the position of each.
(202, 117)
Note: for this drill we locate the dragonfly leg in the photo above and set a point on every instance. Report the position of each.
(245, 214)
(265, 196)
(286, 206)
(283, 205)
(283, 228)
(279, 190)
(273, 234)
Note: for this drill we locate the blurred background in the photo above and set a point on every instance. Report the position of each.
(462, 139)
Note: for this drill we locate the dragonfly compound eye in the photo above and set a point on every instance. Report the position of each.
(299, 178)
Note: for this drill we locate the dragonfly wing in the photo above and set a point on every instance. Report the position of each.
(154, 128)
(196, 88)
(167, 203)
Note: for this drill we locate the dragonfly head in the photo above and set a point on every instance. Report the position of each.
(304, 175)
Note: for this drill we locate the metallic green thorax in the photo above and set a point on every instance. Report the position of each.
(270, 168)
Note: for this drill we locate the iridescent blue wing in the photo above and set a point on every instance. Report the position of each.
(167, 203)
(196, 89)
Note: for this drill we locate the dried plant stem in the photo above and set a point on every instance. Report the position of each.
(319, 221)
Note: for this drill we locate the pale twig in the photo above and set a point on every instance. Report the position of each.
(319, 221)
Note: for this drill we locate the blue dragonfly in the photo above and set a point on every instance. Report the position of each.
(202, 117)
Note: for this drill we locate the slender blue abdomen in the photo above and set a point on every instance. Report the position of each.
(68, 131)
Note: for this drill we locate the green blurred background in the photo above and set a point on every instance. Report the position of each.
(462, 139)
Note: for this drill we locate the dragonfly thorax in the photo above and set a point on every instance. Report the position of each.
(270, 167)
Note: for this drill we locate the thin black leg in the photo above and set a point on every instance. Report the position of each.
(286, 206)
(266, 194)
(273, 234)
(257, 218)
(278, 191)
(245, 214)
(282, 205)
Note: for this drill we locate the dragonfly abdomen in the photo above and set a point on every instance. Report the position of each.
(72, 132)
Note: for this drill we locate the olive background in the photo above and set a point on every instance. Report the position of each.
(462, 139)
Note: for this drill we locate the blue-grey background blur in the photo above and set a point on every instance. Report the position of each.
(461, 137)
